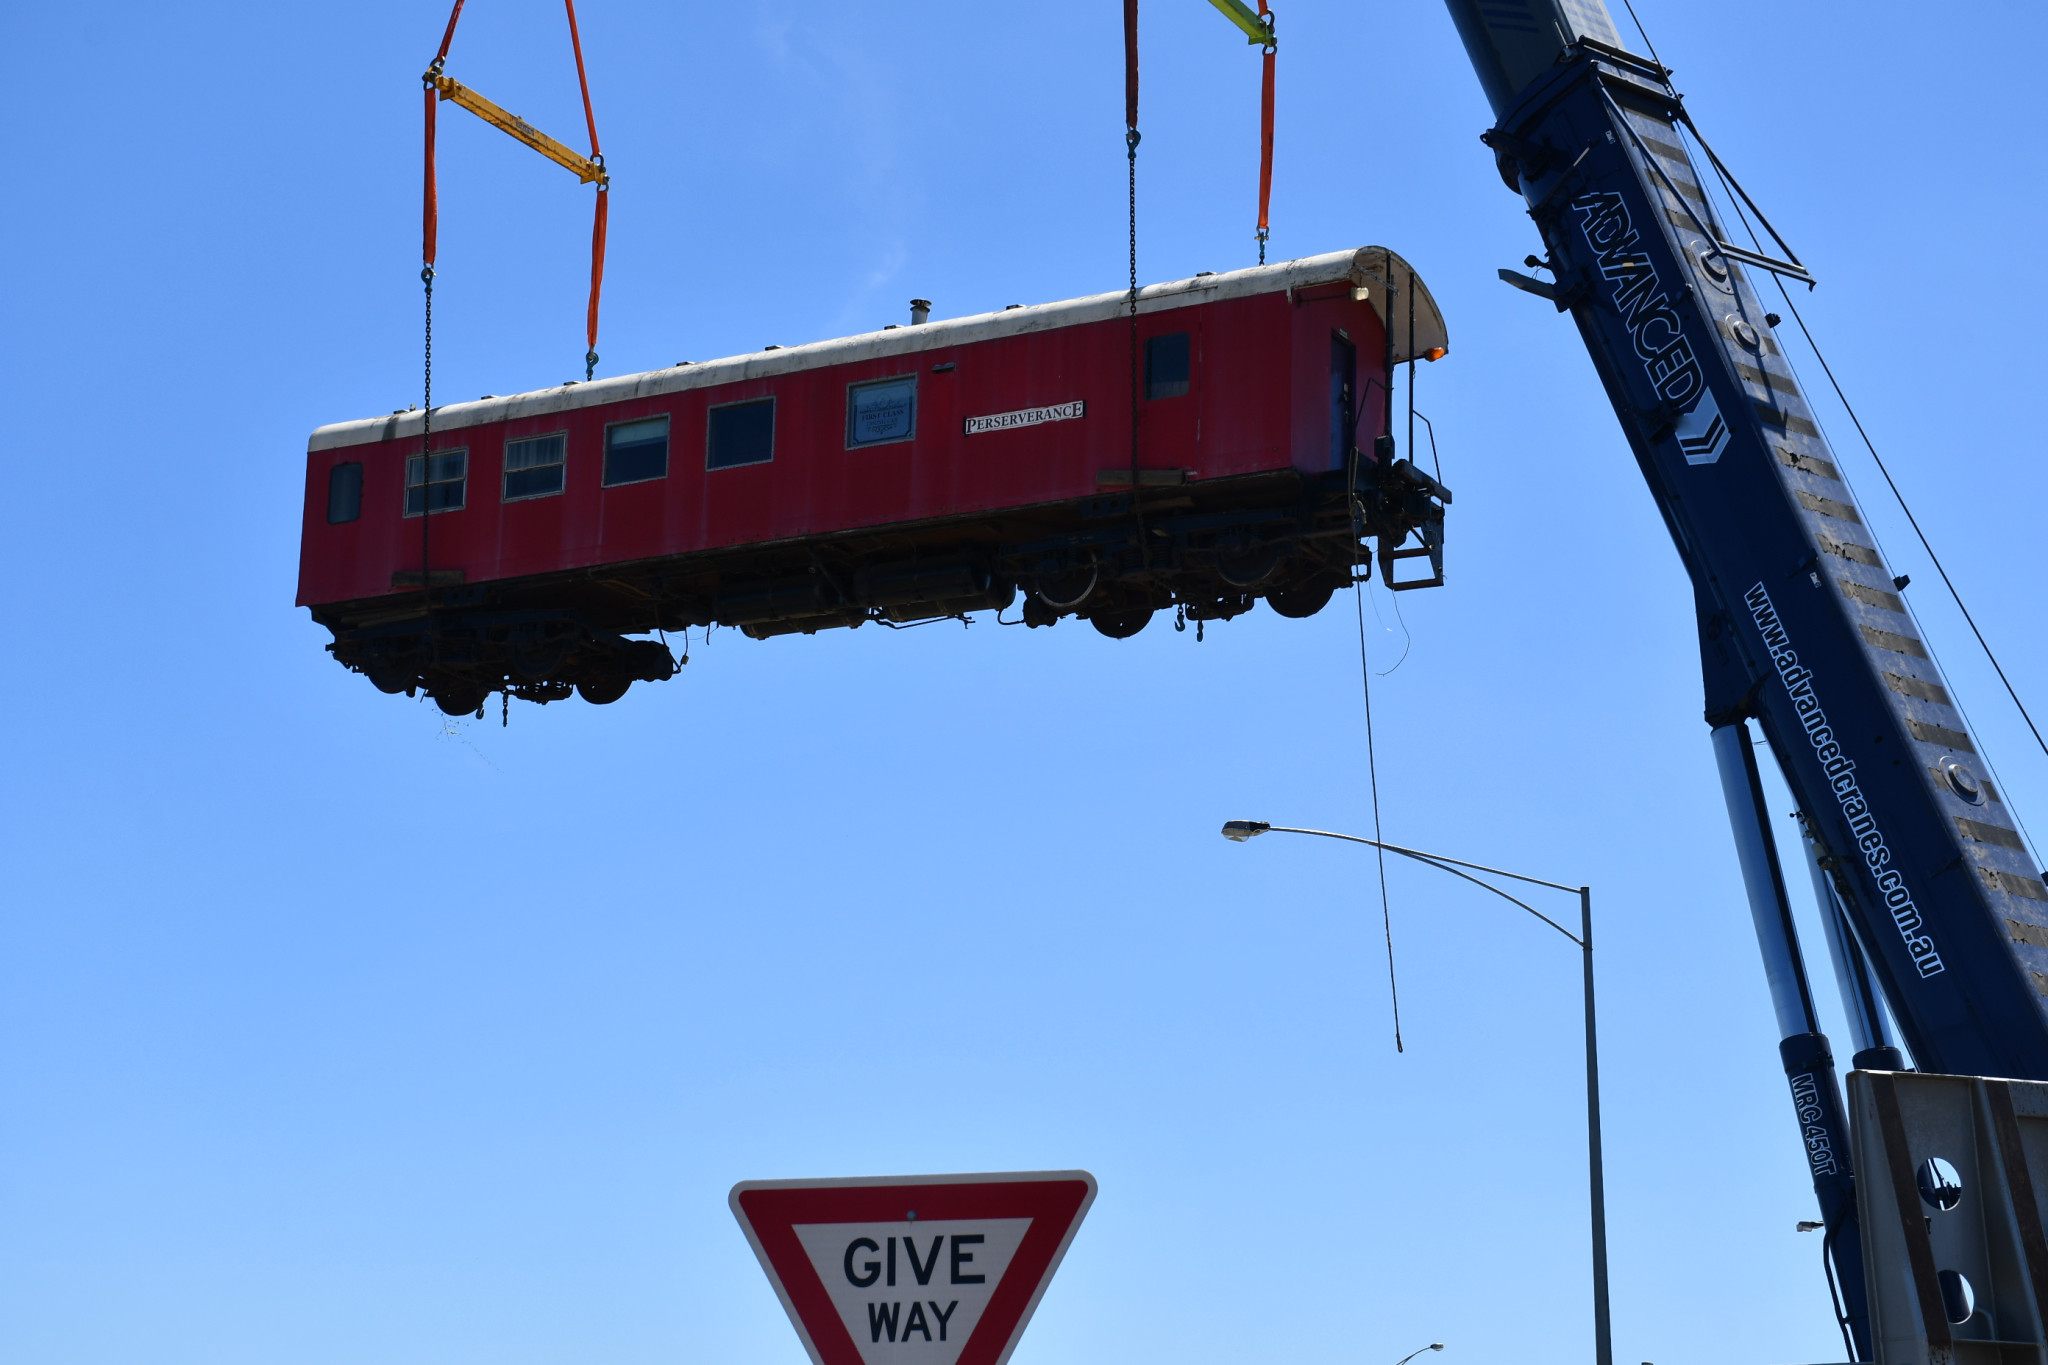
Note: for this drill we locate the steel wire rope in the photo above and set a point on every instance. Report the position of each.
(1721, 175)
(1356, 506)
(1910, 614)
(1373, 781)
(1912, 520)
(1629, 5)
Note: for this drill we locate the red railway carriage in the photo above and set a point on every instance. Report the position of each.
(919, 471)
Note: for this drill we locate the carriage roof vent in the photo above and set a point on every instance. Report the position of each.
(920, 311)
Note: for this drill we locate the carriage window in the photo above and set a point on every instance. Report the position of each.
(439, 488)
(533, 467)
(741, 433)
(1343, 402)
(1166, 366)
(881, 412)
(635, 452)
(344, 493)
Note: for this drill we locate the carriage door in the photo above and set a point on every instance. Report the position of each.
(1343, 398)
(1170, 426)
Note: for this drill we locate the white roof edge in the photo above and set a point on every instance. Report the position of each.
(1367, 266)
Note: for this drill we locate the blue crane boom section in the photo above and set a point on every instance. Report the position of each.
(1801, 624)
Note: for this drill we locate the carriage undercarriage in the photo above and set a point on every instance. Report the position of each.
(1207, 550)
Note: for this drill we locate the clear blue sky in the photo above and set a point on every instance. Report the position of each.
(332, 1032)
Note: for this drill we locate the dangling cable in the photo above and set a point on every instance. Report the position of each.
(1364, 668)
(1372, 774)
(1265, 127)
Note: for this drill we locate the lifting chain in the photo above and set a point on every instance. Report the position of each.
(426, 447)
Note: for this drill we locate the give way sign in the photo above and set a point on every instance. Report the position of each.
(912, 1270)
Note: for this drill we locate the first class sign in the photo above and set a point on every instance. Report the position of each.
(912, 1270)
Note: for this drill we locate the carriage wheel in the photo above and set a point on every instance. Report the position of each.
(603, 691)
(1121, 625)
(1302, 601)
(1064, 587)
(539, 661)
(459, 699)
(1249, 567)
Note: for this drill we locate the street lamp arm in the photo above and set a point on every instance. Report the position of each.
(1596, 1179)
(1413, 852)
(1504, 896)
(1433, 1346)
(1444, 864)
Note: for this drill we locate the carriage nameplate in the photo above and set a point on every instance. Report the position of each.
(1026, 417)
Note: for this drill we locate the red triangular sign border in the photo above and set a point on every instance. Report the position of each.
(770, 1210)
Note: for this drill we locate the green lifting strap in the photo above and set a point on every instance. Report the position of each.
(1241, 14)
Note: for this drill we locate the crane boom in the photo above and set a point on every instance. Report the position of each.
(1801, 625)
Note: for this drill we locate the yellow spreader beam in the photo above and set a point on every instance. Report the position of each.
(587, 171)
(1246, 18)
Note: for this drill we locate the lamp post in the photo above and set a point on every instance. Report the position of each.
(1433, 1346)
(1603, 1339)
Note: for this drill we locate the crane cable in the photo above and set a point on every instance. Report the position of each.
(1898, 496)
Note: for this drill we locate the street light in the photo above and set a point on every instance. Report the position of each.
(1239, 831)
(1434, 1345)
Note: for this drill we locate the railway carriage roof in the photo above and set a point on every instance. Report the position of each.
(1369, 267)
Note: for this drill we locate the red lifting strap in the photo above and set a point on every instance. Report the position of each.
(597, 224)
(449, 36)
(430, 227)
(1265, 139)
(1130, 63)
(430, 216)
(431, 207)
(596, 271)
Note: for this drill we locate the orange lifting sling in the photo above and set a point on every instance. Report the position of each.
(1258, 29)
(589, 170)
